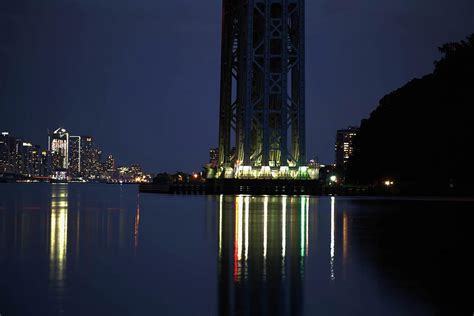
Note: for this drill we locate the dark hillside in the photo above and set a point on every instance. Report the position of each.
(422, 135)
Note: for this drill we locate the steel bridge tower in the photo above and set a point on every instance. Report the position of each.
(262, 103)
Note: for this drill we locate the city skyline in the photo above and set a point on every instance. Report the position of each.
(65, 158)
(104, 72)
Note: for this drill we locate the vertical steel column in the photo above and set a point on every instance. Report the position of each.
(226, 82)
(248, 102)
(241, 84)
(266, 91)
(301, 92)
(284, 86)
(262, 48)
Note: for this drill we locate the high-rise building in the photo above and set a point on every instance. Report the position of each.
(74, 156)
(26, 159)
(15, 154)
(100, 166)
(5, 164)
(87, 156)
(13, 148)
(213, 157)
(262, 106)
(110, 172)
(45, 163)
(23, 157)
(58, 145)
(4, 148)
(91, 166)
(345, 146)
(110, 163)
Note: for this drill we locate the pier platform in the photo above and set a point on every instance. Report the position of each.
(253, 187)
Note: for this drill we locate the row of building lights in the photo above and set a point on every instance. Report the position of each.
(67, 158)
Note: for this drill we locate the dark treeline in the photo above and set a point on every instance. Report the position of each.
(421, 135)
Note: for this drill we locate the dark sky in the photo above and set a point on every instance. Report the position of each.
(142, 76)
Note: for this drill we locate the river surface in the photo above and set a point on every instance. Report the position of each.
(86, 249)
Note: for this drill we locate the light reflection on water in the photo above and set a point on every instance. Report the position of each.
(58, 236)
(105, 249)
(273, 233)
(333, 236)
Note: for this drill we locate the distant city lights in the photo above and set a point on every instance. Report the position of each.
(67, 159)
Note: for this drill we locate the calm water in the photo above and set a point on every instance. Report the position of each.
(106, 250)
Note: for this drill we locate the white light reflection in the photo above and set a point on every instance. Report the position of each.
(236, 242)
(239, 227)
(265, 226)
(58, 233)
(247, 206)
(241, 239)
(333, 231)
(283, 237)
(136, 226)
(283, 228)
(307, 224)
(220, 225)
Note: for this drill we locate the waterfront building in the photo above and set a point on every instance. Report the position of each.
(262, 106)
(5, 165)
(133, 174)
(15, 155)
(74, 157)
(89, 158)
(45, 163)
(35, 166)
(110, 171)
(345, 146)
(22, 156)
(4, 147)
(58, 145)
(10, 151)
(110, 162)
(27, 160)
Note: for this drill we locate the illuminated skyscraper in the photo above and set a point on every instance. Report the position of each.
(34, 161)
(4, 152)
(345, 146)
(45, 163)
(19, 157)
(58, 145)
(91, 165)
(262, 108)
(25, 158)
(110, 163)
(74, 156)
(88, 156)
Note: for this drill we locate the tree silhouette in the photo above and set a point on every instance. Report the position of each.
(421, 134)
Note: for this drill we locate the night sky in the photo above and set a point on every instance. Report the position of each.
(142, 76)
